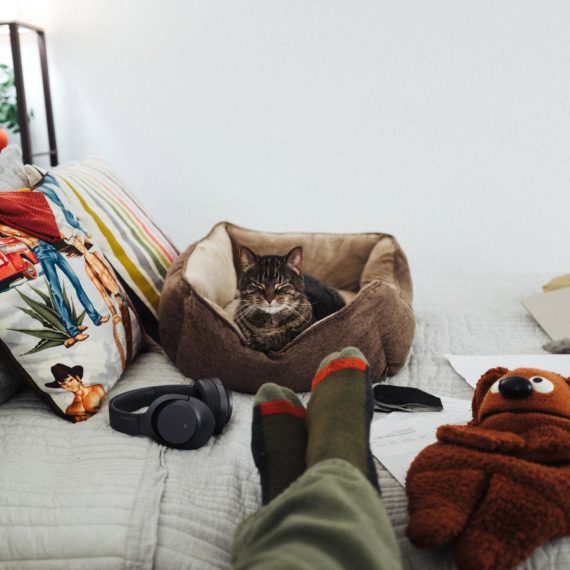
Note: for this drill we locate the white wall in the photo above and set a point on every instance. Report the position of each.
(446, 123)
(7, 10)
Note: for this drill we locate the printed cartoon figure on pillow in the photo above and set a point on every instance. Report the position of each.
(498, 487)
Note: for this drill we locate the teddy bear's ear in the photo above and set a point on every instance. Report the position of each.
(565, 378)
(483, 385)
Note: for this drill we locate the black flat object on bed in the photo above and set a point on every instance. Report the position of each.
(404, 399)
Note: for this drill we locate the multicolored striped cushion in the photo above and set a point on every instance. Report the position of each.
(138, 250)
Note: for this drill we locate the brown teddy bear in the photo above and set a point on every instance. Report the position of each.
(498, 487)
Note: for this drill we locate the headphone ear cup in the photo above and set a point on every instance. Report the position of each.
(218, 399)
(185, 423)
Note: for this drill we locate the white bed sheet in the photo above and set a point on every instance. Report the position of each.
(83, 496)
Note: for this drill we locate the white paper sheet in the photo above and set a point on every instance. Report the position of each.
(396, 438)
(472, 367)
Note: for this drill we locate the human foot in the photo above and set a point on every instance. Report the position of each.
(77, 338)
(278, 439)
(340, 411)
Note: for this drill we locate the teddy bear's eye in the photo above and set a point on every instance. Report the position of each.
(495, 386)
(541, 385)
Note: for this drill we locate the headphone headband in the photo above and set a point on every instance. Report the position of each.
(122, 408)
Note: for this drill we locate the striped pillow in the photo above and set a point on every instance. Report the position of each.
(137, 249)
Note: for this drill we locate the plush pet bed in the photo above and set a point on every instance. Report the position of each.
(200, 294)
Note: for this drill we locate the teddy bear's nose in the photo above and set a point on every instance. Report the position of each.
(515, 387)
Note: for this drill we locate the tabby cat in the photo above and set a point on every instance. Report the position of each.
(277, 302)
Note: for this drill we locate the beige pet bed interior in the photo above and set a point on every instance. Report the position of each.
(200, 294)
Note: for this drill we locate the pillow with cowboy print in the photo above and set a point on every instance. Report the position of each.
(137, 248)
(65, 320)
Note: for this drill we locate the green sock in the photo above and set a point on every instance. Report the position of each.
(340, 411)
(278, 438)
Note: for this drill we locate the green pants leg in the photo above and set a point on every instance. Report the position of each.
(330, 518)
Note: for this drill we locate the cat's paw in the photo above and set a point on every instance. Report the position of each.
(260, 346)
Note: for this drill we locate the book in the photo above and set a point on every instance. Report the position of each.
(551, 311)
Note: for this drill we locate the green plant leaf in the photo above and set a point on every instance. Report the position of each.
(50, 293)
(47, 298)
(45, 312)
(43, 345)
(45, 334)
(35, 316)
(77, 320)
(66, 299)
(9, 116)
(70, 304)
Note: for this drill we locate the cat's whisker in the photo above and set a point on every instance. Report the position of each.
(251, 309)
(293, 309)
(271, 325)
(244, 311)
(241, 309)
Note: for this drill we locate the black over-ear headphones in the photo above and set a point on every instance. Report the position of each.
(180, 416)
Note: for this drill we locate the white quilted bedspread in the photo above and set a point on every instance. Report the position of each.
(83, 496)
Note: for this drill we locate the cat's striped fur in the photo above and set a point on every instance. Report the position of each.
(274, 304)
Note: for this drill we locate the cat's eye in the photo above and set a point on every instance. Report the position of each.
(281, 286)
(254, 288)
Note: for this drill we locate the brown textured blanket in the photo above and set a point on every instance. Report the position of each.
(369, 270)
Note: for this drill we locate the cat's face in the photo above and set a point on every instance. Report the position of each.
(271, 283)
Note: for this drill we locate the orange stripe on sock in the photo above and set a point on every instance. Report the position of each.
(336, 365)
(282, 407)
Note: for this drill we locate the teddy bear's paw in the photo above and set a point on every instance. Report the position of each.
(435, 526)
(489, 555)
(513, 520)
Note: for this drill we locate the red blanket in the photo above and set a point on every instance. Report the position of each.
(29, 212)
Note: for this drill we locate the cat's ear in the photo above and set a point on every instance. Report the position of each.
(246, 258)
(295, 259)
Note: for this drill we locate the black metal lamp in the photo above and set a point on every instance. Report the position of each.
(22, 38)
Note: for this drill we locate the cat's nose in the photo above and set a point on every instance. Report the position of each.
(269, 294)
